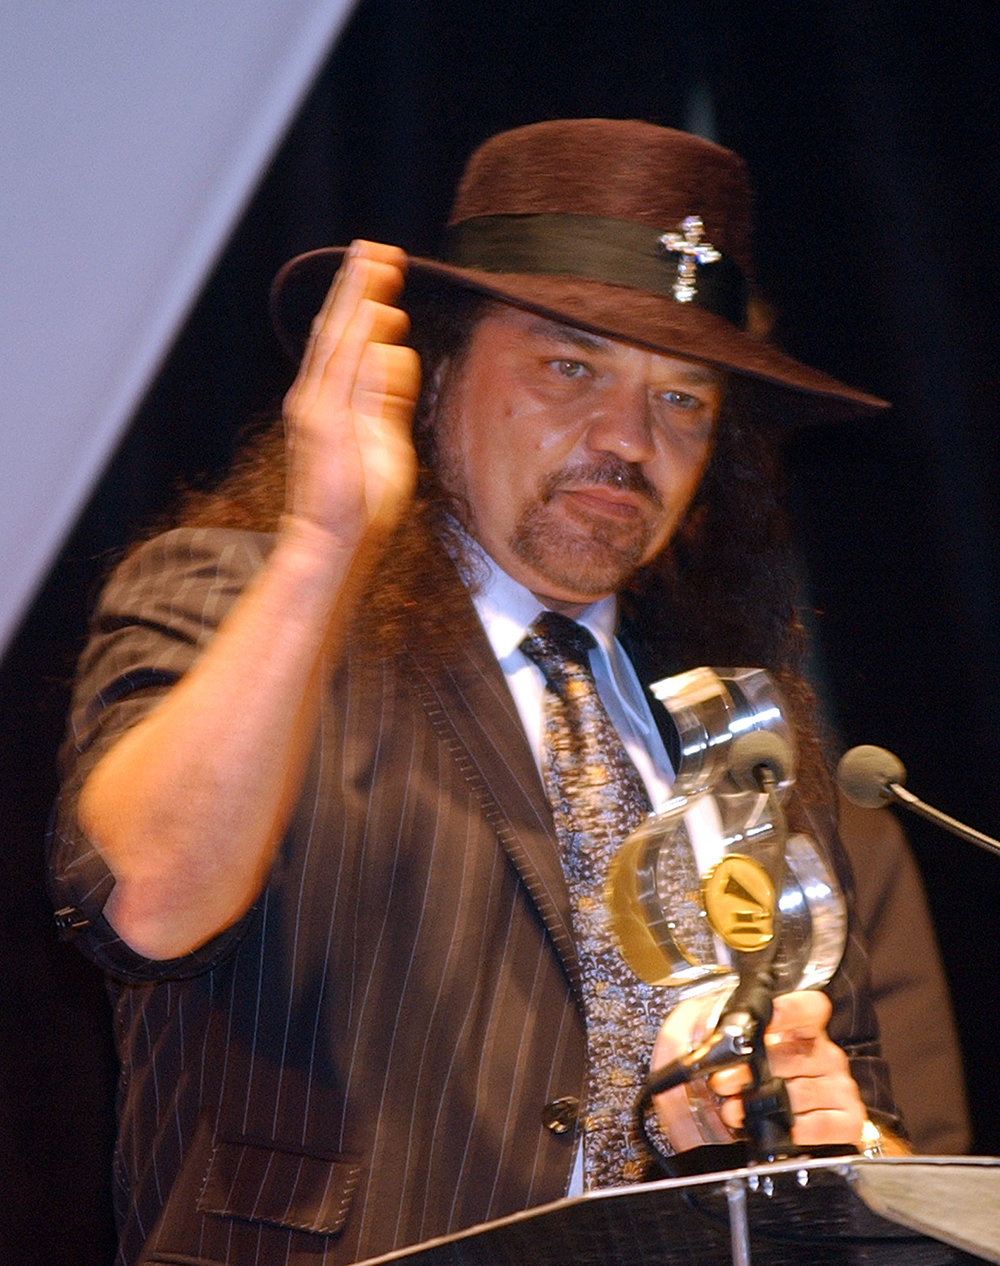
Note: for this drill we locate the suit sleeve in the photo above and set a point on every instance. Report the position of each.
(154, 617)
(854, 1022)
(908, 984)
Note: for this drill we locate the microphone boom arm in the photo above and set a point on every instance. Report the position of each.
(897, 792)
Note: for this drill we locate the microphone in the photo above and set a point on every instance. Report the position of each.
(760, 760)
(867, 774)
(756, 756)
(870, 776)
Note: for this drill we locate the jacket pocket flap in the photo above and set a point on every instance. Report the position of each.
(297, 1190)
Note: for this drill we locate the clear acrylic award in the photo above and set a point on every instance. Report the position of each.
(692, 886)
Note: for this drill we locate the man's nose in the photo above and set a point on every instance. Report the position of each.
(622, 424)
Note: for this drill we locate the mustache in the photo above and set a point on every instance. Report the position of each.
(607, 470)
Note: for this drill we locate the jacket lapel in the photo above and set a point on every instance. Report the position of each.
(466, 698)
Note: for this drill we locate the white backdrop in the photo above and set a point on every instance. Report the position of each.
(131, 135)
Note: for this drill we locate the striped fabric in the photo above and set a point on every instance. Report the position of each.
(362, 1062)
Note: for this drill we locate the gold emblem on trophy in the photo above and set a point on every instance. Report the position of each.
(738, 898)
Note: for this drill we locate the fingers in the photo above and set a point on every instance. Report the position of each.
(369, 270)
(838, 1124)
(823, 1096)
(387, 383)
(351, 461)
(805, 1008)
(361, 286)
(687, 1114)
(370, 274)
(796, 1042)
(346, 362)
(806, 1095)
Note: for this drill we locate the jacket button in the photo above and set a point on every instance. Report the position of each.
(560, 1115)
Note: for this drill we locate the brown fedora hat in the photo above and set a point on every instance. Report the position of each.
(636, 232)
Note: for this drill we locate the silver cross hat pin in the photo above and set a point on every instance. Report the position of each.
(693, 251)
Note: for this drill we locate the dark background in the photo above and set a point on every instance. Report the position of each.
(872, 131)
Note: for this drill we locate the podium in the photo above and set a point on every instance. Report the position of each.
(845, 1211)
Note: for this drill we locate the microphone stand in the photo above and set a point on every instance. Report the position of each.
(768, 1115)
(896, 791)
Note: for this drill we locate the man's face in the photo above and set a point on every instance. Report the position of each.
(576, 455)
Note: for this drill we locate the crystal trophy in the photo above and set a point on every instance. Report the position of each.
(691, 888)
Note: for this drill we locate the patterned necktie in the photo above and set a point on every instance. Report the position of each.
(597, 798)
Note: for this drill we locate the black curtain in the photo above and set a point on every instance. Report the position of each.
(872, 131)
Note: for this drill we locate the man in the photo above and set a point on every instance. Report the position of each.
(305, 827)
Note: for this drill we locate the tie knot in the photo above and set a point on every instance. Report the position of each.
(554, 642)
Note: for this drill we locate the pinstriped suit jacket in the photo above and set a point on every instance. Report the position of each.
(362, 1061)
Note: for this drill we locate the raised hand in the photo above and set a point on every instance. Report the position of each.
(352, 466)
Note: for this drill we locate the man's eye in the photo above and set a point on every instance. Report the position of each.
(682, 400)
(569, 368)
